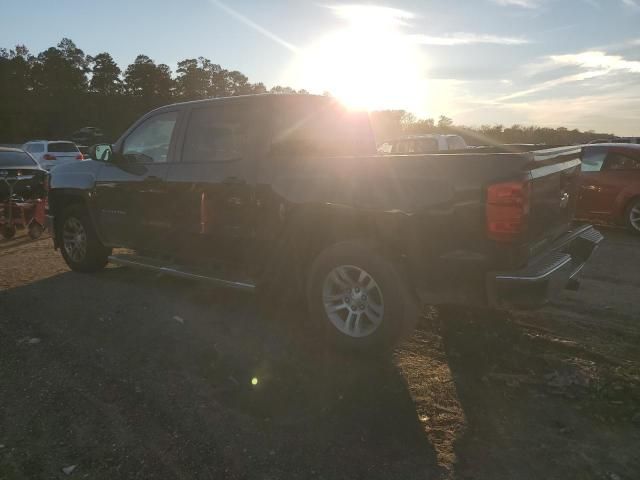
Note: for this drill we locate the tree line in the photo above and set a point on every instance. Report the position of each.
(57, 91)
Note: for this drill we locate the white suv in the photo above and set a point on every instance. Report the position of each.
(51, 153)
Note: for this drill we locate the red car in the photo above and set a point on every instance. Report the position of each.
(610, 188)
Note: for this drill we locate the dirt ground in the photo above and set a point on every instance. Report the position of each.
(126, 374)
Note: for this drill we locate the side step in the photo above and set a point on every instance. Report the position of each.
(146, 263)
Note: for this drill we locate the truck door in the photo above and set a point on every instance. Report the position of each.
(131, 191)
(213, 208)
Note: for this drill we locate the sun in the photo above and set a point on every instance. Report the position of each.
(370, 64)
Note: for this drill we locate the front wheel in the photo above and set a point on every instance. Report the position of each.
(359, 299)
(633, 216)
(80, 246)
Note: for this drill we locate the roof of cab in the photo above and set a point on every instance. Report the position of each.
(630, 146)
(253, 97)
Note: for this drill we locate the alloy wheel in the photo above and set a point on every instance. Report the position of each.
(353, 301)
(74, 239)
(634, 216)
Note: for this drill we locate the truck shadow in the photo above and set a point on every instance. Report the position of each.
(535, 406)
(166, 378)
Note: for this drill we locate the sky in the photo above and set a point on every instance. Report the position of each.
(572, 63)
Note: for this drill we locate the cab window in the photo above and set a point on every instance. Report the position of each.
(149, 142)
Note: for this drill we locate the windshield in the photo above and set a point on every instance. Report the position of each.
(16, 159)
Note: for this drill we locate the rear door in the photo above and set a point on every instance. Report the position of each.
(212, 188)
(132, 198)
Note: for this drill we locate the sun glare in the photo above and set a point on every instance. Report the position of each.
(370, 64)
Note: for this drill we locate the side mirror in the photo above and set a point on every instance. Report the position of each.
(102, 152)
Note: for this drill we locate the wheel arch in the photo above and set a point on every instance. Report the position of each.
(310, 229)
(627, 205)
(61, 199)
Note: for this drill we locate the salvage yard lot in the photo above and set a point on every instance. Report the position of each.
(126, 374)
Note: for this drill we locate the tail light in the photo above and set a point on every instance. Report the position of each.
(507, 210)
(79, 157)
(48, 156)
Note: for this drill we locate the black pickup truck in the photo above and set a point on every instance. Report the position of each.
(287, 195)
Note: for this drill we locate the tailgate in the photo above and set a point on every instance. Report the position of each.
(554, 177)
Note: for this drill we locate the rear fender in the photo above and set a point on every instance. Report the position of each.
(309, 229)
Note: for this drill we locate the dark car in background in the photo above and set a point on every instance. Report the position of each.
(87, 136)
(610, 185)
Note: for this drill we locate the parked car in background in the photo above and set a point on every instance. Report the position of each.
(285, 194)
(51, 153)
(87, 136)
(427, 143)
(610, 185)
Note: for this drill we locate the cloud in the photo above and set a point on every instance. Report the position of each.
(386, 19)
(598, 60)
(462, 38)
(368, 12)
(632, 4)
(520, 3)
(594, 63)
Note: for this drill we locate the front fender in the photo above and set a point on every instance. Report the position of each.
(79, 175)
(73, 183)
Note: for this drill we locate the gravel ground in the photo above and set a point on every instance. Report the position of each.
(126, 374)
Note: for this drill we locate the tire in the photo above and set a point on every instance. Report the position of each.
(358, 299)
(35, 231)
(79, 243)
(8, 232)
(632, 216)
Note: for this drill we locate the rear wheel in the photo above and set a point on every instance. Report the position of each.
(358, 298)
(633, 216)
(80, 246)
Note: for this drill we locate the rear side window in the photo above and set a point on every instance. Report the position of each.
(35, 148)
(620, 161)
(592, 160)
(324, 128)
(16, 159)
(62, 147)
(216, 134)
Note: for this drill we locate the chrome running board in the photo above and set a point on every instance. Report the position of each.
(151, 264)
